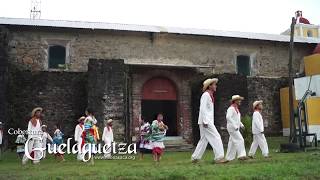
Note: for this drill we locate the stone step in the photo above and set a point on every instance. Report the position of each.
(177, 144)
(179, 148)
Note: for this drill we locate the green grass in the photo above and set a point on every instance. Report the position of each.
(174, 165)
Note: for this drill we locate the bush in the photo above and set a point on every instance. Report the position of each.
(247, 132)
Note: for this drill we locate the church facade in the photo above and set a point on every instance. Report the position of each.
(126, 72)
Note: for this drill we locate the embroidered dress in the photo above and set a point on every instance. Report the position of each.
(157, 137)
(145, 136)
(89, 134)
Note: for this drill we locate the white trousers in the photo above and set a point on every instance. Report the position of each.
(235, 146)
(80, 154)
(33, 143)
(259, 140)
(108, 143)
(44, 151)
(211, 135)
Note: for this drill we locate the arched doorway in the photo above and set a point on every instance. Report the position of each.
(159, 95)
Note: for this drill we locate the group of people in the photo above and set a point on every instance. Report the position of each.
(38, 137)
(209, 133)
(151, 137)
(86, 132)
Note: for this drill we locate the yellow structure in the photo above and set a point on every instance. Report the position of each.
(305, 30)
(313, 110)
(285, 113)
(312, 64)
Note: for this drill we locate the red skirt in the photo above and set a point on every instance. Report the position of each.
(157, 150)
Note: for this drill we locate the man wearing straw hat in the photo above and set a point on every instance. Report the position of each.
(257, 130)
(208, 131)
(78, 136)
(34, 136)
(107, 137)
(236, 141)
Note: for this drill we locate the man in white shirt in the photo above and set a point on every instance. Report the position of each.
(236, 141)
(208, 131)
(78, 136)
(34, 136)
(258, 132)
(107, 138)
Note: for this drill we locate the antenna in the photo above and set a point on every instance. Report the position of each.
(35, 12)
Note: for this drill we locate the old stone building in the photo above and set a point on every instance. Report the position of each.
(128, 71)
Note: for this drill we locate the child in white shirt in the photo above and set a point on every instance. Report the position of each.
(45, 136)
(258, 132)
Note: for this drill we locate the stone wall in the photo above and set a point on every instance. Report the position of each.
(3, 75)
(268, 90)
(106, 94)
(29, 49)
(62, 95)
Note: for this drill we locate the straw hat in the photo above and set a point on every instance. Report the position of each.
(207, 82)
(81, 118)
(236, 97)
(109, 121)
(256, 103)
(35, 110)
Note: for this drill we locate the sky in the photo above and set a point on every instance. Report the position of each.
(260, 16)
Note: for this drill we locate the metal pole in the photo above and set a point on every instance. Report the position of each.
(291, 109)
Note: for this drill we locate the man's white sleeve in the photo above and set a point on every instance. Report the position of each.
(204, 108)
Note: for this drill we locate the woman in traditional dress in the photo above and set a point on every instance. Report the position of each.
(144, 143)
(157, 137)
(89, 132)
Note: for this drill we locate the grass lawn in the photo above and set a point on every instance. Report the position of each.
(174, 165)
